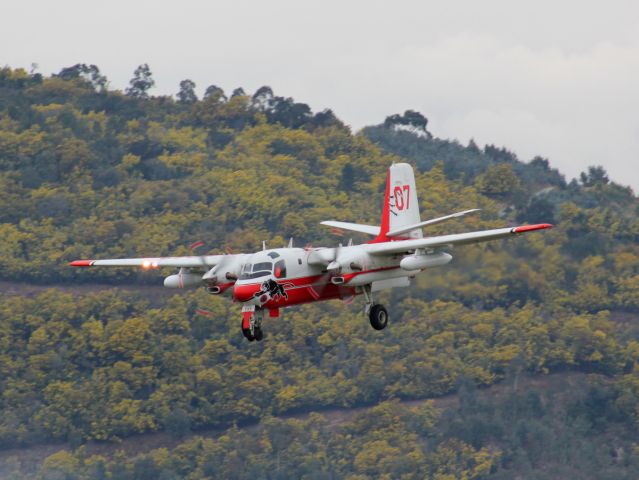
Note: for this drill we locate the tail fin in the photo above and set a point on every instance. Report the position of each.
(400, 203)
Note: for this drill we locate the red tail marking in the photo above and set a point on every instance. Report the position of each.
(529, 228)
(81, 263)
(385, 225)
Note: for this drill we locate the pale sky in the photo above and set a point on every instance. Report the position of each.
(555, 78)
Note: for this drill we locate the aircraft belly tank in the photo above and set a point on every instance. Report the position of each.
(419, 262)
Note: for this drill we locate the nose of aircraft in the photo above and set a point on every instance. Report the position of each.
(244, 293)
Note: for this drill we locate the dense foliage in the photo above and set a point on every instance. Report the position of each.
(563, 428)
(105, 366)
(88, 172)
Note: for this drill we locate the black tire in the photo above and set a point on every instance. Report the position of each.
(378, 317)
(259, 334)
(247, 333)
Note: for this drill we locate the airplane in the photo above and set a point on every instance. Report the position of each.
(269, 280)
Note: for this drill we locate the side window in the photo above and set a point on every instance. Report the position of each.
(280, 269)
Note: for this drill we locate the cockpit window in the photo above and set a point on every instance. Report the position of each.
(256, 270)
(263, 266)
(273, 255)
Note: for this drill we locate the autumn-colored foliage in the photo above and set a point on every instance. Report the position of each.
(86, 172)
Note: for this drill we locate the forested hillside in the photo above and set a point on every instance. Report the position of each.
(88, 172)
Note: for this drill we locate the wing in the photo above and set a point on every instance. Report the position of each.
(353, 227)
(402, 246)
(204, 262)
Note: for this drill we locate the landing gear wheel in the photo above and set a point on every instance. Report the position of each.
(259, 334)
(247, 330)
(252, 325)
(247, 333)
(378, 316)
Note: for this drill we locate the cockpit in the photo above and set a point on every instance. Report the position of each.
(255, 270)
(262, 266)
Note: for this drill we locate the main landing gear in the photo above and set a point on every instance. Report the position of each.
(252, 324)
(377, 313)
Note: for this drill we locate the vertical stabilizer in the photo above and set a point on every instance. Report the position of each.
(401, 208)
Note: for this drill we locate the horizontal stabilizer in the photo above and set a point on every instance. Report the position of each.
(434, 221)
(353, 227)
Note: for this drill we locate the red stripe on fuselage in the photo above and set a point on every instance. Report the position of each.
(313, 288)
(299, 295)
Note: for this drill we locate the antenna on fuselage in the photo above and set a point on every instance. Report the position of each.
(290, 242)
(263, 245)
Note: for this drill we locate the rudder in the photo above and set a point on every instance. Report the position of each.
(401, 208)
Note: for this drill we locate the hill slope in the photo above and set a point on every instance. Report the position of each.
(85, 171)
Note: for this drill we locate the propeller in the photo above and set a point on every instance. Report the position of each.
(196, 245)
(329, 259)
(335, 267)
(210, 274)
(193, 247)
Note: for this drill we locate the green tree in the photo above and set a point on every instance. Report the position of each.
(596, 175)
(141, 82)
(187, 92)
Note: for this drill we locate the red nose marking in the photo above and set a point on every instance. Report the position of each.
(244, 293)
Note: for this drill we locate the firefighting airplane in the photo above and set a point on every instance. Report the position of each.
(271, 279)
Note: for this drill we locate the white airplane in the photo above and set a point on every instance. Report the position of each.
(271, 279)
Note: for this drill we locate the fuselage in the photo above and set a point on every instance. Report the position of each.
(288, 276)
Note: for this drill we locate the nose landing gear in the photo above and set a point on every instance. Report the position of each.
(377, 313)
(252, 324)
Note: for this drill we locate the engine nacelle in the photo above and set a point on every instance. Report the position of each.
(321, 256)
(419, 262)
(351, 261)
(224, 273)
(183, 280)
